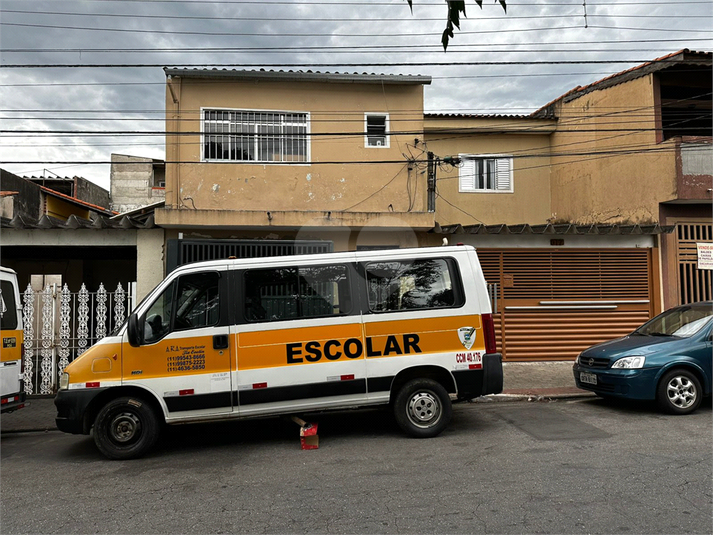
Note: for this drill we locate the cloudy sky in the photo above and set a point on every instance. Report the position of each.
(80, 78)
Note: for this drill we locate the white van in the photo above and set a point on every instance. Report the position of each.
(12, 395)
(266, 336)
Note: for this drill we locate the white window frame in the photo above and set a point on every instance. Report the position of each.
(308, 122)
(387, 140)
(504, 180)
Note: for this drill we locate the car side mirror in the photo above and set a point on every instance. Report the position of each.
(133, 331)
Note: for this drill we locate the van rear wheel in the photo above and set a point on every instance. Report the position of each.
(125, 428)
(422, 408)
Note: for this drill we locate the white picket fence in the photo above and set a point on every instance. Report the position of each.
(60, 325)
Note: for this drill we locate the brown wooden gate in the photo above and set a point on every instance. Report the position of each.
(694, 284)
(552, 304)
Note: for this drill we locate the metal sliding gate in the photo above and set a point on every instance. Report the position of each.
(60, 325)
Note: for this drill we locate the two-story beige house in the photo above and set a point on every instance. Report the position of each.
(295, 155)
(584, 212)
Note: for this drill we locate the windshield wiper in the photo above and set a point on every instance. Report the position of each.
(658, 334)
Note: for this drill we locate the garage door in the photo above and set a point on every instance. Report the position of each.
(552, 304)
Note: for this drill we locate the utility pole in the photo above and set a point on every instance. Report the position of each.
(431, 192)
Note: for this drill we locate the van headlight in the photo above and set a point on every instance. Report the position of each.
(64, 381)
(629, 363)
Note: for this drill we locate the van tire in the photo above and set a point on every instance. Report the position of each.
(679, 392)
(422, 408)
(126, 428)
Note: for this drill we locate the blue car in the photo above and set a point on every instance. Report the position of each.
(668, 359)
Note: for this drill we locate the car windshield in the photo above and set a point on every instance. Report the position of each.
(681, 322)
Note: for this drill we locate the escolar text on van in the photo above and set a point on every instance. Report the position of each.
(409, 328)
(12, 385)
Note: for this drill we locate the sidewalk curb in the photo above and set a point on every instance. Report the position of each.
(508, 398)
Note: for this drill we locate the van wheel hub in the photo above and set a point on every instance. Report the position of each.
(424, 408)
(124, 427)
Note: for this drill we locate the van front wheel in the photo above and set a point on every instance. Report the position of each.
(422, 408)
(125, 428)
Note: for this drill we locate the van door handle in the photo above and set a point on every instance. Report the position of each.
(220, 341)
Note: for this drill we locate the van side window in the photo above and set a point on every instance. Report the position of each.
(288, 293)
(157, 321)
(403, 285)
(197, 301)
(190, 302)
(8, 308)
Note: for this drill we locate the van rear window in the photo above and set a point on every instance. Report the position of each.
(415, 285)
(8, 307)
(288, 293)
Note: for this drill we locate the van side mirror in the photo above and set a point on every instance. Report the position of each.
(133, 331)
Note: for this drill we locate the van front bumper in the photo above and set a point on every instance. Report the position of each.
(481, 382)
(72, 407)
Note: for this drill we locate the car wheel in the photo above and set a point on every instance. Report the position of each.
(125, 428)
(679, 392)
(423, 408)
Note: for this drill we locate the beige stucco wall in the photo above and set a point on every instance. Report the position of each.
(526, 140)
(593, 185)
(332, 183)
(149, 261)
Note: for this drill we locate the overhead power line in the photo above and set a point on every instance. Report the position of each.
(332, 65)
(414, 18)
(451, 47)
(370, 35)
(613, 151)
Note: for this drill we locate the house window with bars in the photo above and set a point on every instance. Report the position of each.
(485, 174)
(255, 136)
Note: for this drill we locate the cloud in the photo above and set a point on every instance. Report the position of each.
(132, 99)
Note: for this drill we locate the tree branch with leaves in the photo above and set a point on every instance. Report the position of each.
(454, 12)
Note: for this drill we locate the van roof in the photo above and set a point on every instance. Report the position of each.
(343, 255)
(7, 270)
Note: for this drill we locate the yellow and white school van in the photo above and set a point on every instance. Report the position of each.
(12, 386)
(410, 328)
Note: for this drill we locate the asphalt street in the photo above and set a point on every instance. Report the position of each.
(568, 466)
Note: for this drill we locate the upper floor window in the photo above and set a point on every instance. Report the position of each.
(377, 124)
(255, 136)
(485, 173)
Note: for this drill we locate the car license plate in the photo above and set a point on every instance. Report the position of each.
(588, 378)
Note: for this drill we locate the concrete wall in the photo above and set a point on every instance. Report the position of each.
(91, 193)
(526, 140)
(29, 200)
(132, 183)
(332, 183)
(591, 183)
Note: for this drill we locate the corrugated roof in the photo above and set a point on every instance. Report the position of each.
(475, 116)
(98, 222)
(559, 229)
(74, 200)
(299, 76)
(684, 56)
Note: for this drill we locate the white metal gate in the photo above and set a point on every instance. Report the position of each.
(60, 325)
